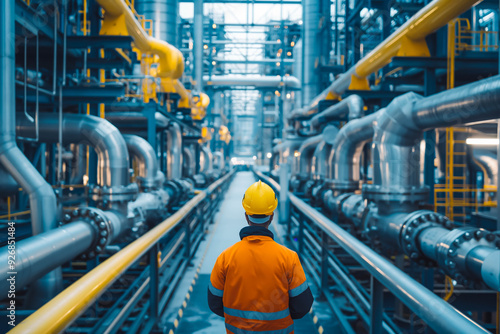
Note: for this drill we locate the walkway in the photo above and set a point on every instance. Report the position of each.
(196, 316)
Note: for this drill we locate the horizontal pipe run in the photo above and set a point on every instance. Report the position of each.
(62, 310)
(253, 81)
(38, 255)
(103, 136)
(438, 314)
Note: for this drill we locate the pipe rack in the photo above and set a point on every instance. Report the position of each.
(62, 310)
(438, 314)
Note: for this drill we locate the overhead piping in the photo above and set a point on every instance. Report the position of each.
(171, 64)
(407, 40)
(253, 81)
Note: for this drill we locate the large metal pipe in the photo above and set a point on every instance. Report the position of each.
(306, 152)
(164, 14)
(174, 152)
(171, 63)
(253, 81)
(42, 198)
(38, 255)
(149, 175)
(206, 160)
(189, 164)
(198, 44)
(320, 160)
(219, 162)
(78, 163)
(409, 39)
(399, 129)
(107, 141)
(346, 151)
(311, 50)
(352, 107)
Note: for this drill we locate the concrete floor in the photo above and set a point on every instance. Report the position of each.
(197, 317)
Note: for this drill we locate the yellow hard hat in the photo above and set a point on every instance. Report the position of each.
(259, 199)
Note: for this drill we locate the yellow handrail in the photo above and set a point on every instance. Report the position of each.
(63, 309)
(171, 63)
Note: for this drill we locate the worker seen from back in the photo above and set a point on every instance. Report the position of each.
(258, 285)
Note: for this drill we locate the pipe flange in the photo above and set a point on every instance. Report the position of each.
(415, 223)
(377, 193)
(99, 222)
(120, 194)
(453, 250)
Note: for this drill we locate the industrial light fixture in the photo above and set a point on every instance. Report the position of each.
(269, 155)
(482, 141)
(213, 63)
(296, 153)
(292, 44)
(254, 157)
(205, 46)
(214, 26)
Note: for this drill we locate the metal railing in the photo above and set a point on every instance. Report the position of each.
(320, 242)
(140, 305)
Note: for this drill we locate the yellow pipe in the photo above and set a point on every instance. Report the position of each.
(407, 40)
(63, 309)
(171, 61)
(185, 101)
(429, 19)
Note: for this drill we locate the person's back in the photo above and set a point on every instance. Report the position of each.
(257, 285)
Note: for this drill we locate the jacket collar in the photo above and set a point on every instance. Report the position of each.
(255, 230)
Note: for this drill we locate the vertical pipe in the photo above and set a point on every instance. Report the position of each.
(42, 198)
(198, 43)
(174, 152)
(311, 49)
(164, 14)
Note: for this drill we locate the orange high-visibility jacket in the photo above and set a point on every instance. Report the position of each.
(261, 285)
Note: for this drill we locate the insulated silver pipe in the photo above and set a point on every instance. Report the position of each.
(260, 81)
(399, 130)
(163, 13)
(306, 152)
(42, 198)
(320, 160)
(105, 138)
(135, 119)
(207, 164)
(347, 147)
(311, 50)
(148, 172)
(38, 255)
(79, 164)
(198, 44)
(219, 160)
(352, 106)
(174, 152)
(189, 164)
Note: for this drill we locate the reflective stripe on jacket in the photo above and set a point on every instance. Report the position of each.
(256, 279)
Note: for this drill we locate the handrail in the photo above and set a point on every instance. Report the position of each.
(410, 35)
(63, 309)
(439, 315)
